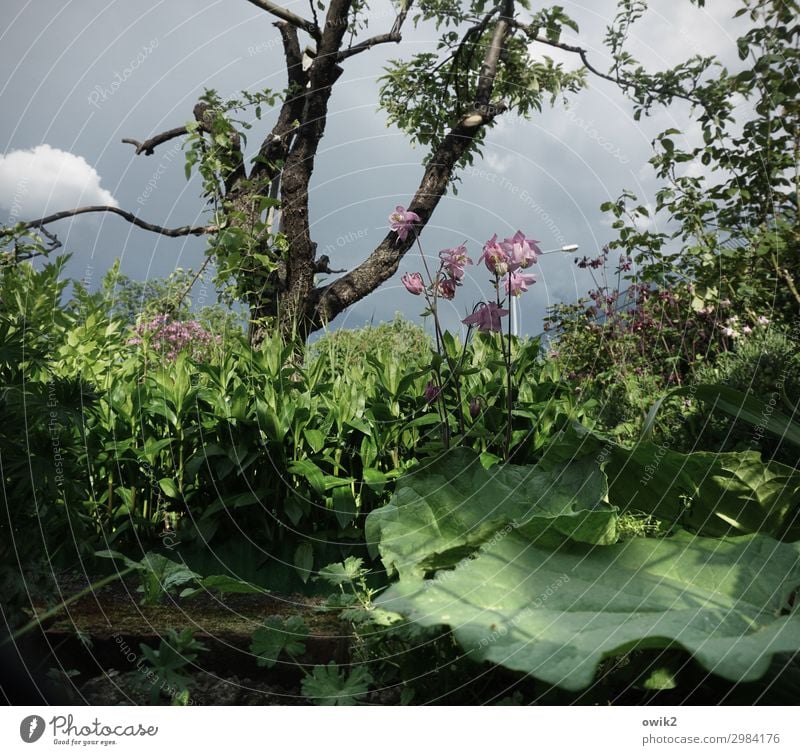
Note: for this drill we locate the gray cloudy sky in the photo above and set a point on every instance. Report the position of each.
(67, 101)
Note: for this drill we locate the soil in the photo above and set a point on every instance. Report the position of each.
(93, 646)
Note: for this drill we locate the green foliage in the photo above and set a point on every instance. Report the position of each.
(159, 575)
(278, 636)
(446, 510)
(513, 554)
(736, 230)
(539, 607)
(398, 341)
(329, 685)
(175, 652)
(765, 368)
(432, 91)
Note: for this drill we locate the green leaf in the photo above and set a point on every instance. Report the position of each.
(449, 509)
(169, 487)
(327, 685)
(304, 560)
(224, 583)
(344, 505)
(712, 494)
(278, 636)
(556, 609)
(311, 473)
(342, 573)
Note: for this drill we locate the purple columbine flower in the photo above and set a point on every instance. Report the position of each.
(487, 318)
(454, 260)
(402, 221)
(494, 257)
(516, 283)
(431, 392)
(521, 251)
(413, 283)
(446, 288)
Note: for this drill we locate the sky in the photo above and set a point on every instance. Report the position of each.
(81, 75)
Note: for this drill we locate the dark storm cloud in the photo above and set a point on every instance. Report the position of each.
(83, 75)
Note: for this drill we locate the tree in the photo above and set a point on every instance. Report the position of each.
(487, 62)
(736, 236)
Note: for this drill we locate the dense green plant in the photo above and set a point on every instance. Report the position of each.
(509, 558)
(398, 340)
(765, 366)
(166, 666)
(608, 341)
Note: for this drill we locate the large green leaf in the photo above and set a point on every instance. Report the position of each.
(710, 493)
(445, 511)
(556, 610)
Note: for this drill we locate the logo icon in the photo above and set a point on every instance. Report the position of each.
(31, 728)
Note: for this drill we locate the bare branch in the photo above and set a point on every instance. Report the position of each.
(129, 216)
(368, 44)
(148, 146)
(290, 18)
(379, 39)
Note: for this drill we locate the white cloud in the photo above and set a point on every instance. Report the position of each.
(498, 163)
(36, 182)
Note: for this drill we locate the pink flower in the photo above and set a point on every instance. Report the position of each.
(516, 283)
(446, 288)
(494, 257)
(402, 221)
(521, 252)
(454, 260)
(487, 318)
(413, 283)
(762, 320)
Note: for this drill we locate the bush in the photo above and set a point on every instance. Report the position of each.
(764, 365)
(398, 340)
